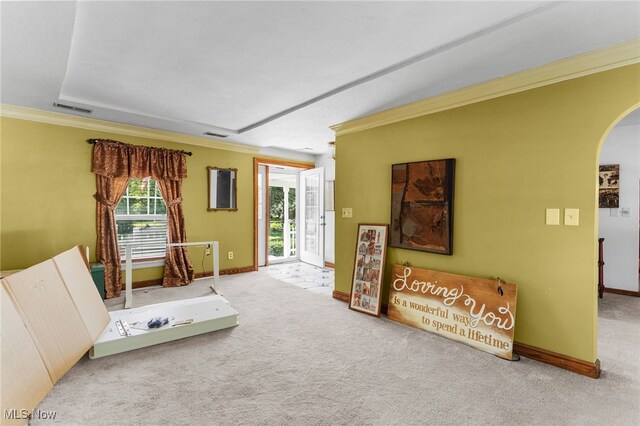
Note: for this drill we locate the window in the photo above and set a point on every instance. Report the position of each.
(141, 218)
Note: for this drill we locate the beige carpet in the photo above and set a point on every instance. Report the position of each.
(303, 358)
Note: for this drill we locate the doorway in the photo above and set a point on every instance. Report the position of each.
(619, 201)
(282, 214)
(288, 212)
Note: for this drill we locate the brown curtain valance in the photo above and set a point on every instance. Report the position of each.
(116, 159)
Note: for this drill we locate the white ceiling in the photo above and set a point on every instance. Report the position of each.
(278, 74)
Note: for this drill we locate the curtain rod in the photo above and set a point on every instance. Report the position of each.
(189, 153)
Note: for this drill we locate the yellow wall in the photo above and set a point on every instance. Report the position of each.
(47, 189)
(515, 156)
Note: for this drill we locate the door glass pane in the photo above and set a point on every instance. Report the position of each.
(276, 219)
(260, 197)
(292, 221)
(311, 214)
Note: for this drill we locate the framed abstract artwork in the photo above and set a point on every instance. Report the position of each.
(422, 205)
(368, 269)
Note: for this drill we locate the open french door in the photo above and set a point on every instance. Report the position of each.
(263, 184)
(312, 216)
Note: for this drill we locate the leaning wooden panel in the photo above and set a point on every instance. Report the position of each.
(25, 380)
(44, 304)
(475, 311)
(76, 277)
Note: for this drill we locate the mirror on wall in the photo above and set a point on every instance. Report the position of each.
(222, 188)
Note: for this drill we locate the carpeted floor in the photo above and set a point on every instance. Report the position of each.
(303, 358)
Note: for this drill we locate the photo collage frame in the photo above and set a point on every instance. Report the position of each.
(368, 270)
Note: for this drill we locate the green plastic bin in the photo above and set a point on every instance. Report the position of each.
(97, 273)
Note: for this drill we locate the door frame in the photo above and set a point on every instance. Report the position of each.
(287, 235)
(260, 161)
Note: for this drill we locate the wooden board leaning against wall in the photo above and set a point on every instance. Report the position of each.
(475, 311)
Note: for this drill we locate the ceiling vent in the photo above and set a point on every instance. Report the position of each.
(216, 135)
(72, 108)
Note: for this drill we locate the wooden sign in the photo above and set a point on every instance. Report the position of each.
(475, 311)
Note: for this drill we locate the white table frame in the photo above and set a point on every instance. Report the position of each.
(128, 295)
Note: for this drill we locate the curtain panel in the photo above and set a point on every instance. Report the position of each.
(114, 163)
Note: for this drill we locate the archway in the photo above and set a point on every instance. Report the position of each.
(616, 322)
(618, 205)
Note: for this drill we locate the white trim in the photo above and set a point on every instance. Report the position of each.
(578, 66)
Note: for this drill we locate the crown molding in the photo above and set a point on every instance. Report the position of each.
(29, 114)
(577, 66)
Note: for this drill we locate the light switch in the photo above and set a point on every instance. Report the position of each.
(613, 212)
(571, 217)
(347, 212)
(553, 217)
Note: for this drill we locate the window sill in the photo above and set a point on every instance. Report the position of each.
(142, 264)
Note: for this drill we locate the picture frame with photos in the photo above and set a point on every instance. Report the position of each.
(368, 268)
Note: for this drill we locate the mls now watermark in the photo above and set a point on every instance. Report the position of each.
(22, 414)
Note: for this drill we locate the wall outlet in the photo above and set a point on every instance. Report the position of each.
(347, 212)
(207, 251)
(230, 255)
